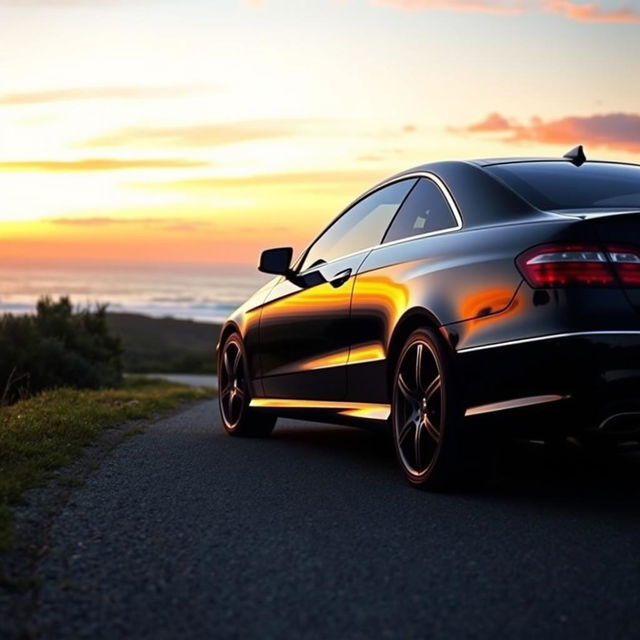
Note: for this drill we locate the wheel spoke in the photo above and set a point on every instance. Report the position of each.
(432, 388)
(240, 393)
(431, 429)
(406, 391)
(226, 405)
(226, 391)
(417, 450)
(232, 413)
(418, 373)
(226, 364)
(406, 429)
(236, 362)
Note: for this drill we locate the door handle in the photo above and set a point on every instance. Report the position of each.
(340, 278)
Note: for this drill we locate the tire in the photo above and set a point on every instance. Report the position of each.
(234, 398)
(427, 414)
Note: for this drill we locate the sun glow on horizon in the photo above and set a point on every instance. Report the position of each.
(200, 133)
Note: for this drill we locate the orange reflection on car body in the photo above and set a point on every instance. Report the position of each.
(485, 303)
(377, 291)
(334, 359)
(366, 353)
(371, 411)
(322, 299)
(482, 327)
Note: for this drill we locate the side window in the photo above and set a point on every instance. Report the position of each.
(424, 211)
(361, 226)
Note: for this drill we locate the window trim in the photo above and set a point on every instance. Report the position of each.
(415, 174)
(448, 199)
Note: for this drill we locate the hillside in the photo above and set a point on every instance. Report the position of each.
(165, 345)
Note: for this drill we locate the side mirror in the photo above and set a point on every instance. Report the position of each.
(276, 261)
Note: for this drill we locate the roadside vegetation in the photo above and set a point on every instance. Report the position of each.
(89, 348)
(49, 430)
(58, 346)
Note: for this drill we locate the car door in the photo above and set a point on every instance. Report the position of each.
(304, 326)
(391, 281)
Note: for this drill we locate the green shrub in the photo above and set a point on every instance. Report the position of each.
(59, 346)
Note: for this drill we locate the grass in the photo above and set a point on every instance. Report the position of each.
(48, 431)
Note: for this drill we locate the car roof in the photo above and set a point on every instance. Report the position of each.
(480, 197)
(488, 162)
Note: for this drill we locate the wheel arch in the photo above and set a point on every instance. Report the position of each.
(228, 329)
(413, 319)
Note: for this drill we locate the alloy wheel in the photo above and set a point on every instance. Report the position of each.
(233, 386)
(418, 407)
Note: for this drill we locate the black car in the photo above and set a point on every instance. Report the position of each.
(448, 297)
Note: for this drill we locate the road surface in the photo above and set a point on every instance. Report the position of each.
(190, 379)
(185, 532)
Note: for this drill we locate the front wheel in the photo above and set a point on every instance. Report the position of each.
(427, 413)
(234, 398)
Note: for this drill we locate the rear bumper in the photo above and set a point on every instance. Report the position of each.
(590, 376)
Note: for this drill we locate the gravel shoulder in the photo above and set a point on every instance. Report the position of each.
(185, 532)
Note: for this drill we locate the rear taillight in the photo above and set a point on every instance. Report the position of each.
(626, 263)
(565, 265)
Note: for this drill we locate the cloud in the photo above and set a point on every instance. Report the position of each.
(493, 122)
(591, 12)
(101, 221)
(98, 93)
(283, 179)
(571, 9)
(55, 3)
(200, 135)
(474, 6)
(619, 131)
(99, 164)
(166, 224)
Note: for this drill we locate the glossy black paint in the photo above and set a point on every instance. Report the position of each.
(276, 261)
(330, 334)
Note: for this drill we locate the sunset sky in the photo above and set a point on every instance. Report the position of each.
(206, 130)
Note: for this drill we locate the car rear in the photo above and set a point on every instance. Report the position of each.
(574, 342)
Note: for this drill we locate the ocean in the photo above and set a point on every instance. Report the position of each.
(205, 293)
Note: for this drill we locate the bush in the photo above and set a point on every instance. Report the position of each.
(57, 347)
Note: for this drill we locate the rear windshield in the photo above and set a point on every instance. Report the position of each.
(562, 185)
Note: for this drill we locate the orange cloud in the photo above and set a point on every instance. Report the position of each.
(99, 164)
(493, 122)
(103, 221)
(591, 12)
(613, 130)
(570, 9)
(98, 93)
(475, 6)
(283, 180)
(200, 135)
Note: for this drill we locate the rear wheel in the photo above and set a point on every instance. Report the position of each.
(238, 418)
(427, 413)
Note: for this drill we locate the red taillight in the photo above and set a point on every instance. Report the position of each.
(581, 265)
(626, 263)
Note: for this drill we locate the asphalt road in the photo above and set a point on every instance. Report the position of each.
(184, 532)
(191, 379)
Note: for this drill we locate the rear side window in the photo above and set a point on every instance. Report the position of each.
(424, 211)
(561, 185)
